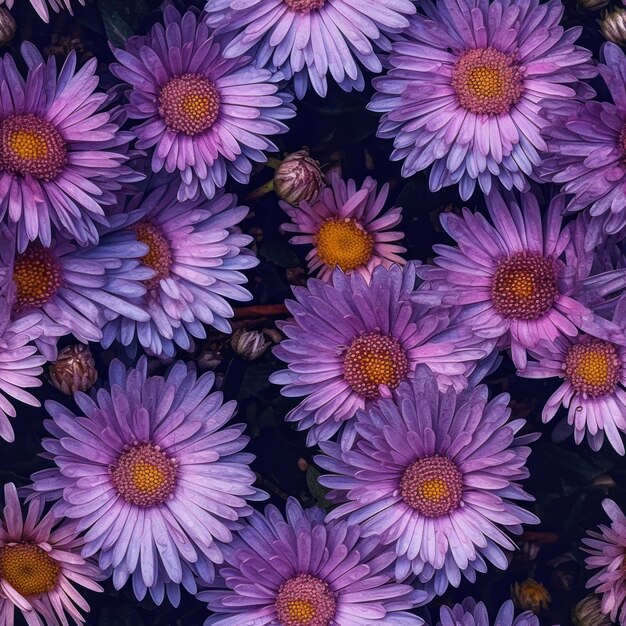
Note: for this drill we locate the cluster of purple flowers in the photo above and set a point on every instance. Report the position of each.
(115, 228)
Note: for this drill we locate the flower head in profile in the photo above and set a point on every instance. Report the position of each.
(204, 116)
(41, 566)
(310, 39)
(61, 155)
(346, 229)
(469, 86)
(41, 6)
(351, 342)
(298, 570)
(196, 253)
(511, 278)
(587, 147)
(607, 553)
(153, 475)
(435, 477)
(471, 613)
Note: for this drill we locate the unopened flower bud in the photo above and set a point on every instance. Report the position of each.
(530, 596)
(613, 26)
(74, 370)
(7, 26)
(588, 612)
(298, 178)
(249, 344)
(209, 359)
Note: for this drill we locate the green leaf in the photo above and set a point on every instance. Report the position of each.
(316, 490)
(121, 18)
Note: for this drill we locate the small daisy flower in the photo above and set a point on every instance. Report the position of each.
(471, 613)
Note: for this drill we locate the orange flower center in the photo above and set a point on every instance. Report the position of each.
(37, 276)
(159, 257)
(344, 244)
(305, 600)
(592, 366)
(28, 569)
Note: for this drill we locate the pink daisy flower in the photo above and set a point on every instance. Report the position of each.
(41, 6)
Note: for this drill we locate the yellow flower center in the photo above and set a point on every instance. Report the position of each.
(28, 569)
(344, 244)
(37, 276)
(592, 366)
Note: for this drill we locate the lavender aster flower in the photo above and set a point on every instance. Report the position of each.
(469, 88)
(196, 253)
(345, 226)
(608, 554)
(41, 6)
(472, 614)
(434, 477)
(205, 116)
(350, 342)
(61, 155)
(308, 39)
(298, 570)
(40, 566)
(587, 144)
(152, 475)
(511, 278)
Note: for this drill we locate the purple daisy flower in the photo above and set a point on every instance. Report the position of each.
(196, 253)
(351, 342)
(308, 39)
(434, 476)
(40, 566)
(511, 278)
(587, 145)
(61, 155)
(472, 614)
(608, 554)
(152, 475)
(298, 570)
(205, 116)
(345, 226)
(469, 86)
(41, 6)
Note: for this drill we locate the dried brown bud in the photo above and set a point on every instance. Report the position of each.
(613, 26)
(209, 358)
(530, 596)
(298, 178)
(249, 344)
(7, 26)
(74, 370)
(592, 5)
(588, 612)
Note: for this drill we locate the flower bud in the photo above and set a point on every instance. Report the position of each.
(613, 26)
(7, 26)
(74, 370)
(588, 612)
(592, 5)
(249, 344)
(530, 596)
(298, 178)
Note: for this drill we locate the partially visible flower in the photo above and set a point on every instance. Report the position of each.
(309, 39)
(588, 612)
(298, 570)
(607, 550)
(298, 178)
(74, 370)
(511, 278)
(41, 6)
(196, 253)
(7, 26)
(249, 344)
(435, 477)
(41, 566)
(469, 88)
(153, 475)
(530, 595)
(351, 342)
(613, 26)
(472, 614)
(61, 155)
(346, 229)
(205, 116)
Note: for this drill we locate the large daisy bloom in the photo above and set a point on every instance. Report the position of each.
(587, 146)
(41, 566)
(309, 39)
(434, 476)
(61, 154)
(469, 86)
(205, 116)
(471, 613)
(511, 277)
(196, 252)
(298, 570)
(41, 6)
(352, 341)
(346, 229)
(607, 550)
(152, 475)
